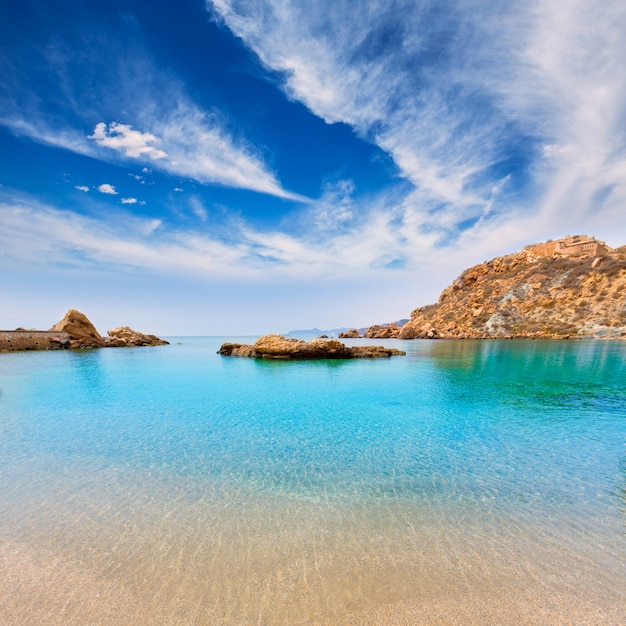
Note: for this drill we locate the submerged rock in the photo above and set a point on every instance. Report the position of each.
(279, 347)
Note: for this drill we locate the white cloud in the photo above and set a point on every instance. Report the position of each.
(107, 189)
(81, 188)
(450, 93)
(178, 189)
(128, 200)
(45, 235)
(130, 142)
(245, 252)
(200, 148)
(173, 134)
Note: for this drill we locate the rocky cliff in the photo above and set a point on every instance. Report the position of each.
(539, 292)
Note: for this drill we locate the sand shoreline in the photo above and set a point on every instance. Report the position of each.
(39, 588)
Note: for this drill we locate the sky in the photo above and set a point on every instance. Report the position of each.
(250, 166)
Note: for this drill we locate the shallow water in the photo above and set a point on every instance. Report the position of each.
(178, 486)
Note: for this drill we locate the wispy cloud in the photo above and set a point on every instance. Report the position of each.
(490, 111)
(128, 200)
(131, 120)
(239, 251)
(81, 188)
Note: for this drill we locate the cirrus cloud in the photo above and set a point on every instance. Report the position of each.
(489, 109)
(175, 135)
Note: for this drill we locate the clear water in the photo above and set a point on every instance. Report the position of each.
(194, 488)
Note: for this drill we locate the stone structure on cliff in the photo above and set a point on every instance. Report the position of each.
(74, 331)
(282, 348)
(576, 246)
(552, 290)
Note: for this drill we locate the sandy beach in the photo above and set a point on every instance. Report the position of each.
(39, 588)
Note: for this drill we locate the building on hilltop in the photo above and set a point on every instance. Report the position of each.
(578, 245)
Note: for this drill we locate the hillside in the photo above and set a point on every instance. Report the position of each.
(573, 287)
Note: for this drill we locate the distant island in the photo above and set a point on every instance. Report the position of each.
(573, 287)
(74, 331)
(343, 331)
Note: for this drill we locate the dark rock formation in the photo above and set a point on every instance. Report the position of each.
(279, 347)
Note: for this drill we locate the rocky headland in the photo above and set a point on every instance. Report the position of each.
(74, 331)
(570, 288)
(283, 348)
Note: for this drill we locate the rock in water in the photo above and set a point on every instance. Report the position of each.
(125, 336)
(81, 331)
(83, 334)
(279, 347)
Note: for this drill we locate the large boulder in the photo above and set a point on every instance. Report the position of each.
(80, 330)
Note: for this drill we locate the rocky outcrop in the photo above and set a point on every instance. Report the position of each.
(279, 347)
(125, 337)
(349, 334)
(81, 331)
(74, 331)
(530, 295)
(389, 331)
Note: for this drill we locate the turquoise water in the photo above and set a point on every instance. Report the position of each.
(239, 490)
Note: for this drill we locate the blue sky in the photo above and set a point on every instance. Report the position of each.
(253, 166)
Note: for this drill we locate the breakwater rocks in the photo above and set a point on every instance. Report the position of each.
(22, 339)
(279, 347)
(74, 331)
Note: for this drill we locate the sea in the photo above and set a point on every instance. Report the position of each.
(468, 482)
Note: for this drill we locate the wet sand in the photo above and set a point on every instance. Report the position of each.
(39, 588)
